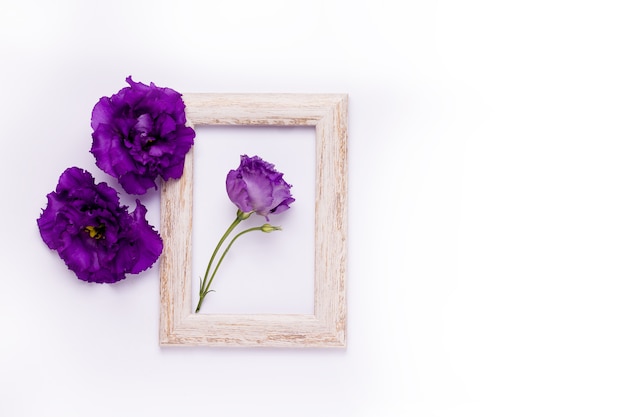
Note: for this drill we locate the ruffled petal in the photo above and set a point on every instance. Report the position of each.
(147, 241)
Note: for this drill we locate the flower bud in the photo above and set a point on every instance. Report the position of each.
(267, 228)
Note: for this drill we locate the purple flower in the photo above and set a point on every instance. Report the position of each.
(96, 237)
(140, 134)
(257, 187)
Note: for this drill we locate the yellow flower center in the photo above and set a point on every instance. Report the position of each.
(95, 232)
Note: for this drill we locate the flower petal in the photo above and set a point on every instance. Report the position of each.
(147, 243)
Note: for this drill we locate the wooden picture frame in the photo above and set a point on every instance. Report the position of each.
(326, 327)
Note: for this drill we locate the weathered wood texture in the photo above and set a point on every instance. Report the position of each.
(327, 326)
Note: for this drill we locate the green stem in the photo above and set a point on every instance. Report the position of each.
(217, 248)
(226, 251)
(205, 290)
(204, 287)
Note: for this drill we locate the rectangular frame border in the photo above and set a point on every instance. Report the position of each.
(326, 327)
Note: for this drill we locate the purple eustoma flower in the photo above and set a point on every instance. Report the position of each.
(139, 134)
(257, 187)
(96, 237)
(254, 187)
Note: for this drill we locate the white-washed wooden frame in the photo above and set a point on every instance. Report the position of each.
(326, 327)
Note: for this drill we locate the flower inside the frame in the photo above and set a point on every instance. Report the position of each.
(257, 187)
(96, 237)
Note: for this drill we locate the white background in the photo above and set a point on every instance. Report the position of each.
(487, 222)
(262, 273)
